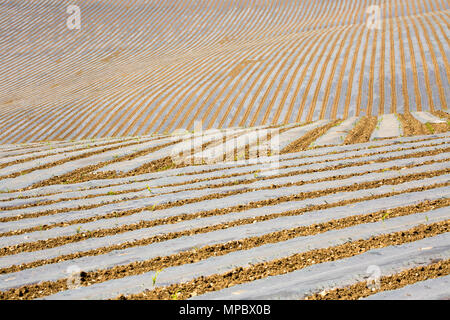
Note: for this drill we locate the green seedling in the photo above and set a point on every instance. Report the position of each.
(149, 190)
(79, 230)
(385, 216)
(155, 276)
(426, 218)
(175, 295)
(111, 193)
(429, 127)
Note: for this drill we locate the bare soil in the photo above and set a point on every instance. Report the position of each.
(258, 271)
(392, 282)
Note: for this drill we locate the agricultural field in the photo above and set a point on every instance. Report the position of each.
(124, 219)
(224, 149)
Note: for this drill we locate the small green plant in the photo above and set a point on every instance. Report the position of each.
(385, 216)
(111, 193)
(79, 229)
(149, 190)
(429, 127)
(155, 276)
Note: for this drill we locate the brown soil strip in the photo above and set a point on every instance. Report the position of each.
(411, 126)
(223, 194)
(167, 163)
(362, 131)
(86, 174)
(241, 275)
(256, 241)
(47, 202)
(392, 282)
(213, 170)
(295, 262)
(55, 242)
(185, 201)
(59, 162)
(304, 142)
(439, 127)
(441, 114)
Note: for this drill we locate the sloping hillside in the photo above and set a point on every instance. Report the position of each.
(138, 67)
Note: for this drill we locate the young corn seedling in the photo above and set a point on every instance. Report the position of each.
(155, 276)
(385, 216)
(149, 190)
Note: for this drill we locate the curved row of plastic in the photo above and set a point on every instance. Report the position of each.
(135, 68)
